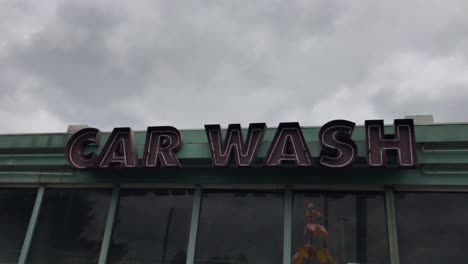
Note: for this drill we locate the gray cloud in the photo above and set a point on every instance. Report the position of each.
(123, 63)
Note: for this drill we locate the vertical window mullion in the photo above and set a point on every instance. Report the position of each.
(32, 226)
(287, 231)
(197, 200)
(109, 225)
(391, 226)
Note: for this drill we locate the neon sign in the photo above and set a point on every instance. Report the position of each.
(288, 147)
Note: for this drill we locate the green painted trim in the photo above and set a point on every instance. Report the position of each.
(235, 176)
(287, 231)
(198, 155)
(197, 201)
(437, 145)
(32, 226)
(392, 226)
(109, 225)
(56, 141)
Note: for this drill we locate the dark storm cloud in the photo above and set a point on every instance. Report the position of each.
(123, 63)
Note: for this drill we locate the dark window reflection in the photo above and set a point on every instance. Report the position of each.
(347, 227)
(16, 207)
(432, 227)
(152, 226)
(240, 227)
(70, 226)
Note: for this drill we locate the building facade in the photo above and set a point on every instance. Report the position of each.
(208, 210)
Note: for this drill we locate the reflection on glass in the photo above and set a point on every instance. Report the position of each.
(432, 227)
(16, 206)
(70, 226)
(239, 227)
(152, 226)
(338, 227)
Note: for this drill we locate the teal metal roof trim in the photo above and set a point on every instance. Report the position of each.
(38, 158)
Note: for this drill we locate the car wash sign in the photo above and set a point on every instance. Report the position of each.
(288, 147)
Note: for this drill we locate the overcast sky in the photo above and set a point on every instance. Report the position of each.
(141, 63)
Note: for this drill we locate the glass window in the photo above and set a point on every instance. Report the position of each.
(70, 226)
(240, 227)
(432, 227)
(152, 226)
(16, 207)
(339, 227)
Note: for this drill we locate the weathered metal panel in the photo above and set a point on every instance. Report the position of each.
(38, 158)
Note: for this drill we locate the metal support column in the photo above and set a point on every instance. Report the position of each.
(109, 225)
(287, 229)
(32, 226)
(391, 226)
(197, 200)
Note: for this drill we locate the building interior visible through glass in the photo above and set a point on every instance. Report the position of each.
(234, 226)
(240, 227)
(333, 227)
(15, 211)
